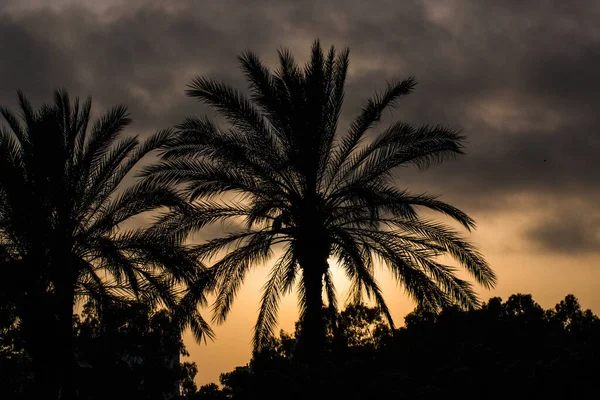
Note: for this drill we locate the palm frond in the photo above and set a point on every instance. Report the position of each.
(266, 95)
(330, 291)
(15, 126)
(465, 253)
(335, 73)
(192, 217)
(231, 270)
(102, 193)
(369, 116)
(233, 105)
(98, 142)
(81, 125)
(27, 112)
(269, 304)
(359, 269)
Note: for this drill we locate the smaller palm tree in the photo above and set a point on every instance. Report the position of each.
(66, 192)
(314, 194)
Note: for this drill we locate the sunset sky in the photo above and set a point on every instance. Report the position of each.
(520, 78)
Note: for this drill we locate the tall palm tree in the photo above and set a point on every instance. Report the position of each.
(314, 194)
(65, 194)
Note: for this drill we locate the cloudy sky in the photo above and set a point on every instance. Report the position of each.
(520, 78)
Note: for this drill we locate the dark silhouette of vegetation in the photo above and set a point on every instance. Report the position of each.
(312, 194)
(15, 371)
(512, 350)
(129, 351)
(134, 348)
(64, 198)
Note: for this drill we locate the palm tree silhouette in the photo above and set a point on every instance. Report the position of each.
(64, 199)
(316, 194)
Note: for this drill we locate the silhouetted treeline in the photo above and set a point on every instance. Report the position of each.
(510, 350)
(513, 349)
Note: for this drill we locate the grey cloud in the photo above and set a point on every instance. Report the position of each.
(29, 62)
(570, 231)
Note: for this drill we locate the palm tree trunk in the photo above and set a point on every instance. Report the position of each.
(313, 325)
(39, 332)
(65, 359)
(42, 351)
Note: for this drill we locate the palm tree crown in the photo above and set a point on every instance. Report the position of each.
(64, 199)
(313, 193)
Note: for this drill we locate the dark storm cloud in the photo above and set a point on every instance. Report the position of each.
(520, 78)
(571, 231)
(29, 62)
